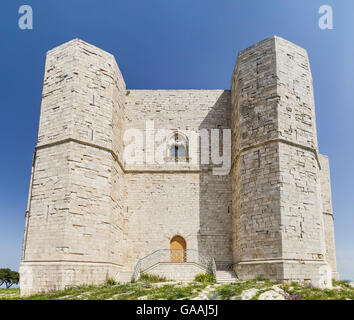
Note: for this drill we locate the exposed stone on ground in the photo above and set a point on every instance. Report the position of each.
(248, 294)
(277, 289)
(271, 295)
(337, 288)
(205, 294)
(161, 284)
(242, 290)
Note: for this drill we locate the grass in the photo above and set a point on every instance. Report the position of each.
(130, 291)
(151, 278)
(110, 282)
(341, 291)
(234, 290)
(151, 288)
(205, 278)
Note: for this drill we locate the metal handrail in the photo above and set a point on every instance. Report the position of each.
(174, 256)
(136, 273)
(214, 267)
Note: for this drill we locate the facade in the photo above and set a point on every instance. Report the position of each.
(91, 214)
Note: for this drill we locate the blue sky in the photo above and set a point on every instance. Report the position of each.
(180, 44)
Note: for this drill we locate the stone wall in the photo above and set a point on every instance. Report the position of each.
(71, 218)
(177, 271)
(276, 194)
(328, 219)
(186, 199)
(255, 166)
(55, 275)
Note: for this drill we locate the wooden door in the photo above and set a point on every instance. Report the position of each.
(178, 247)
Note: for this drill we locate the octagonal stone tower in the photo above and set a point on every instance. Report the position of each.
(278, 220)
(72, 232)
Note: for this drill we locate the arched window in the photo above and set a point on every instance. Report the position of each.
(178, 147)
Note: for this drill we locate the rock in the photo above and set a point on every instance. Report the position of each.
(277, 289)
(271, 295)
(248, 294)
(214, 296)
(204, 294)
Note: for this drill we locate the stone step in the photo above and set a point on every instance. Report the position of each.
(226, 282)
(222, 280)
(225, 276)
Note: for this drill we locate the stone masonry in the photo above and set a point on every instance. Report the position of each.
(91, 215)
(277, 176)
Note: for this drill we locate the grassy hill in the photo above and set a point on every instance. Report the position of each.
(152, 288)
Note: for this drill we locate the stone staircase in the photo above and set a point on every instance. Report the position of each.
(124, 277)
(225, 276)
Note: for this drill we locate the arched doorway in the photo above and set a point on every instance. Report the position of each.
(178, 248)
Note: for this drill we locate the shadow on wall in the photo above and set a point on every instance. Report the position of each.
(215, 215)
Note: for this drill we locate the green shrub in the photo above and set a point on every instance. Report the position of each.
(260, 278)
(342, 283)
(205, 278)
(110, 282)
(152, 278)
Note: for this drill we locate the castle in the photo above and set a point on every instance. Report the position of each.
(93, 215)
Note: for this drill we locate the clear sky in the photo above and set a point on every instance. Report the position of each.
(180, 44)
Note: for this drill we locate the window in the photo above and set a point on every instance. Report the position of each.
(178, 147)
